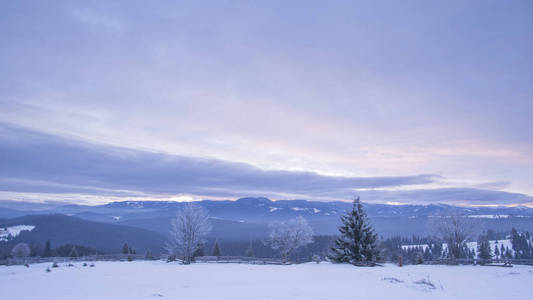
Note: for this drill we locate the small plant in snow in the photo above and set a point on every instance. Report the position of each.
(91, 265)
(84, 264)
(48, 270)
(55, 265)
(425, 282)
(392, 280)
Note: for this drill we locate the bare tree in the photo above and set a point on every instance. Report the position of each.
(187, 231)
(290, 235)
(21, 250)
(455, 230)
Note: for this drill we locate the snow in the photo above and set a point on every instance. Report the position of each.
(489, 216)
(13, 231)
(273, 209)
(314, 210)
(423, 246)
(156, 279)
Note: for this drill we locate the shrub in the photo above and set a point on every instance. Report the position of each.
(316, 258)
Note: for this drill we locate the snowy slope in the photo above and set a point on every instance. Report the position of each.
(155, 280)
(13, 231)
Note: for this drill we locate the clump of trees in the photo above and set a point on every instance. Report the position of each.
(187, 232)
(357, 243)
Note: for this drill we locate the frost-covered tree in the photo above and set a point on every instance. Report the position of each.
(287, 236)
(455, 230)
(21, 250)
(187, 231)
(357, 241)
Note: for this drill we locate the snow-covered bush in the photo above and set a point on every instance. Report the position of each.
(316, 258)
(290, 235)
(21, 250)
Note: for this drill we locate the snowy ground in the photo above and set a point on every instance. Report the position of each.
(156, 280)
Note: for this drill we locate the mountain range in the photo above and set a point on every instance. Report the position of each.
(146, 223)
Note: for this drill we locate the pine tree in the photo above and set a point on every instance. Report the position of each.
(73, 252)
(125, 249)
(496, 251)
(250, 251)
(149, 255)
(216, 250)
(357, 242)
(483, 248)
(47, 249)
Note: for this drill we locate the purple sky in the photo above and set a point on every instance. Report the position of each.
(398, 101)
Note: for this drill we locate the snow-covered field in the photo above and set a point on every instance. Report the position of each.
(154, 280)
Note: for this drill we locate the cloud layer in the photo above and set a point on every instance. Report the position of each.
(44, 163)
(54, 168)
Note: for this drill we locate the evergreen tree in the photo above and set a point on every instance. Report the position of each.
(73, 252)
(483, 248)
(496, 251)
(47, 249)
(357, 242)
(125, 249)
(216, 250)
(250, 251)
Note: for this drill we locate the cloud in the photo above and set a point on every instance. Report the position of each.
(458, 196)
(40, 163)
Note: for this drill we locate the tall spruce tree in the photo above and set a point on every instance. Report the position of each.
(47, 249)
(483, 249)
(357, 242)
(216, 250)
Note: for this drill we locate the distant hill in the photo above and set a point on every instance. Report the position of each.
(61, 229)
(248, 218)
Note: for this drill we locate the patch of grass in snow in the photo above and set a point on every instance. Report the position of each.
(426, 282)
(392, 280)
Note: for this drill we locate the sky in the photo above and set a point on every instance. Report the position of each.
(410, 102)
